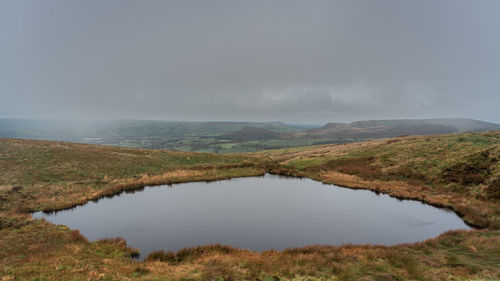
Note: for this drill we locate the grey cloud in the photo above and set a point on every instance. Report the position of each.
(294, 61)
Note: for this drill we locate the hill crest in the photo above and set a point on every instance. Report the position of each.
(399, 127)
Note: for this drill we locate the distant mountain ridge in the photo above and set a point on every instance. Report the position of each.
(228, 137)
(398, 127)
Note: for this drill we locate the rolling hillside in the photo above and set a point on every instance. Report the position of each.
(392, 128)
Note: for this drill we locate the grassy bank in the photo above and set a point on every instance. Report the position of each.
(461, 172)
(456, 171)
(47, 175)
(42, 251)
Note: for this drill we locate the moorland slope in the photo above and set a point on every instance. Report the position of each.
(459, 171)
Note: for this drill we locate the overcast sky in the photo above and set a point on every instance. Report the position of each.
(293, 61)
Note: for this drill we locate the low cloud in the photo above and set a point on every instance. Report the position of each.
(292, 61)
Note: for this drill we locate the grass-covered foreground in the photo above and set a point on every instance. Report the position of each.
(457, 171)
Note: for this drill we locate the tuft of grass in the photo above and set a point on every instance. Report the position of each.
(188, 254)
(493, 189)
(77, 237)
(363, 167)
(473, 170)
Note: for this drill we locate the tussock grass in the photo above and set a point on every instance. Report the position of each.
(188, 254)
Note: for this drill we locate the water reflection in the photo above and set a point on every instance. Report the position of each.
(257, 213)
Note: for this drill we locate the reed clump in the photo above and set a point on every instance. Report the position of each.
(75, 236)
(190, 253)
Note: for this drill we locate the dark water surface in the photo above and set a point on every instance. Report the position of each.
(257, 213)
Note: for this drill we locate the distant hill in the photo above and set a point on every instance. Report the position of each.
(78, 131)
(250, 133)
(394, 128)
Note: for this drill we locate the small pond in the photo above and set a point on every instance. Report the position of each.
(257, 213)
